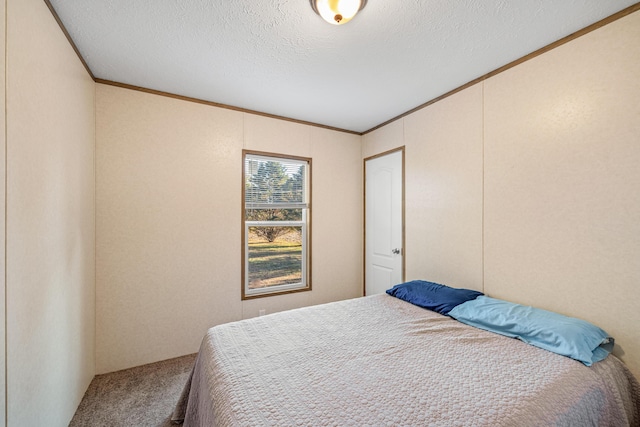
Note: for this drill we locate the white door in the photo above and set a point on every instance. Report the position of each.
(384, 252)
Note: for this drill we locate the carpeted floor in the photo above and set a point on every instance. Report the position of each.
(143, 396)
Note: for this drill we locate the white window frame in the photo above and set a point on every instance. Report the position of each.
(304, 223)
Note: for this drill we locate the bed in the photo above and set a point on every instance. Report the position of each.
(380, 361)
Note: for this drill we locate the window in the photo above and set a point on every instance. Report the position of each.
(276, 212)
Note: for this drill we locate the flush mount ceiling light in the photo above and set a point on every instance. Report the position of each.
(337, 12)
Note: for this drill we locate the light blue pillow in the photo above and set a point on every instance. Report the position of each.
(551, 331)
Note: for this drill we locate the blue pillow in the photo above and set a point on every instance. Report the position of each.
(432, 296)
(551, 331)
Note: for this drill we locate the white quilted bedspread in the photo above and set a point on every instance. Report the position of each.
(379, 361)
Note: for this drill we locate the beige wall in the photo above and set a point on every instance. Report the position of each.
(3, 164)
(444, 190)
(527, 185)
(562, 183)
(49, 220)
(168, 182)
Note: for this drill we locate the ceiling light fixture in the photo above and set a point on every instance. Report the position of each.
(337, 12)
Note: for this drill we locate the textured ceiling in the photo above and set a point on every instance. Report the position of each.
(279, 57)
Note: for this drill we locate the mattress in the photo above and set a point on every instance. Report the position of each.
(380, 361)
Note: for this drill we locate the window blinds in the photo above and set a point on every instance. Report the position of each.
(272, 182)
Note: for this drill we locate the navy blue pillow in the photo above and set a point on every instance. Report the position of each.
(432, 296)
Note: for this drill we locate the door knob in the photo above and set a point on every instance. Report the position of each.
(396, 251)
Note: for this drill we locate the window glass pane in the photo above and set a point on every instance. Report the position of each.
(274, 181)
(276, 208)
(273, 214)
(275, 256)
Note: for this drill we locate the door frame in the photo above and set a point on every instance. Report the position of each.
(364, 215)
